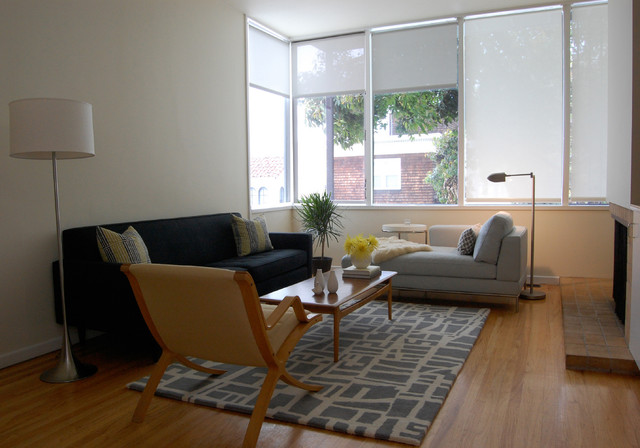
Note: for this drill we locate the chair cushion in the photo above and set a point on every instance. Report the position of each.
(281, 330)
(251, 236)
(490, 237)
(127, 247)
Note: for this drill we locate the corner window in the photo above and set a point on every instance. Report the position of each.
(377, 117)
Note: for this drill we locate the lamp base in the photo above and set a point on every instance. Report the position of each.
(531, 294)
(68, 370)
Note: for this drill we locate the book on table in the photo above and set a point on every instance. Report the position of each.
(368, 272)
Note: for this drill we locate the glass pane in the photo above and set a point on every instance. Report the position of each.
(514, 105)
(587, 180)
(329, 141)
(418, 133)
(268, 142)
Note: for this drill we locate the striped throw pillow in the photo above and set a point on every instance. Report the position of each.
(127, 247)
(251, 236)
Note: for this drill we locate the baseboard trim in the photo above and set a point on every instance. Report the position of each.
(42, 348)
(30, 352)
(546, 279)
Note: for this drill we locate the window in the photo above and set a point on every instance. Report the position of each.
(377, 115)
(269, 117)
(328, 86)
(515, 120)
(415, 75)
(263, 196)
(514, 105)
(587, 184)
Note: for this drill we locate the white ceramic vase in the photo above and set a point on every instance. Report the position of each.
(361, 261)
(332, 283)
(318, 282)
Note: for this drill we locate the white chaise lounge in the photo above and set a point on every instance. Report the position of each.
(496, 264)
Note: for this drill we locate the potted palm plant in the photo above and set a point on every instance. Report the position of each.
(319, 216)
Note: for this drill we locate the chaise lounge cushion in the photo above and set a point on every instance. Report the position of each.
(441, 261)
(490, 237)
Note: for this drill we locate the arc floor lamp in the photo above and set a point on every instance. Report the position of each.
(54, 129)
(502, 177)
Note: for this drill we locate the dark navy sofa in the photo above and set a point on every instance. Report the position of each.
(98, 295)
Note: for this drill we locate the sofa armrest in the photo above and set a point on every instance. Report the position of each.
(294, 240)
(512, 260)
(98, 296)
(446, 234)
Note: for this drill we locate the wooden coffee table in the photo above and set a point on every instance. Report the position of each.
(352, 294)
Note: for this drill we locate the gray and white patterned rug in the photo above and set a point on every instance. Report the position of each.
(390, 381)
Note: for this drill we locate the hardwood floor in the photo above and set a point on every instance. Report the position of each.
(513, 391)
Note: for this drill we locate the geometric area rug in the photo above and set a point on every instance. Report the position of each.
(389, 383)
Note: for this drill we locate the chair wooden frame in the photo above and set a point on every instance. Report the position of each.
(275, 361)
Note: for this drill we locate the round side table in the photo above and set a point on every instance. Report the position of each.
(406, 228)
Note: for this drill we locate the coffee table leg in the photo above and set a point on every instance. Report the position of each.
(336, 336)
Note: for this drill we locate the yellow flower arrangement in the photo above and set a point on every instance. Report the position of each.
(360, 246)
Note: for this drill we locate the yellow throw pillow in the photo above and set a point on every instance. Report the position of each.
(251, 236)
(127, 247)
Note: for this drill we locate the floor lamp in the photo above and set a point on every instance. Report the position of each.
(53, 129)
(502, 177)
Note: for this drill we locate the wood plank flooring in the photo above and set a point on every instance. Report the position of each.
(513, 391)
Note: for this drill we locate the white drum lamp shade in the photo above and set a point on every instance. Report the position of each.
(42, 126)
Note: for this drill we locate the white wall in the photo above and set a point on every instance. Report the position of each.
(167, 83)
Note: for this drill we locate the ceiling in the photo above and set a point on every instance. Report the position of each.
(297, 19)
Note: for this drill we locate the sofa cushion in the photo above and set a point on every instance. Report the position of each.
(127, 247)
(264, 265)
(490, 236)
(467, 241)
(251, 236)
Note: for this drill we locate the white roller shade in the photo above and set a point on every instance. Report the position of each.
(587, 180)
(329, 66)
(268, 61)
(415, 59)
(514, 105)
